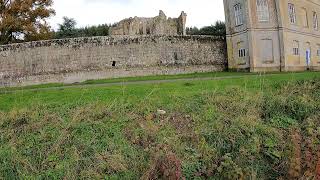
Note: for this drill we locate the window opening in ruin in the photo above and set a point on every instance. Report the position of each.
(114, 63)
(175, 55)
(263, 10)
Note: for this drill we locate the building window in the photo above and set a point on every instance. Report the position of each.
(318, 50)
(305, 18)
(263, 10)
(295, 51)
(315, 21)
(296, 48)
(242, 53)
(238, 14)
(292, 14)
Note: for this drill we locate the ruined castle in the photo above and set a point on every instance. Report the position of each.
(136, 47)
(159, 25)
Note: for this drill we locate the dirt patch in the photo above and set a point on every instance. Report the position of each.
(318, 166)
(165, 167)
(142, 132)
(296, 160)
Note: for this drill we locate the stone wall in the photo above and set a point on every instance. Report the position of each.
(80, 59)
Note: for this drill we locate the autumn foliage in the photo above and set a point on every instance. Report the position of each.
(24, 20)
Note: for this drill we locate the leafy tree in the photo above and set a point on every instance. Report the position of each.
(24, 20)
(192, 31)
(68, 30)
(218, 29)
(100, 30)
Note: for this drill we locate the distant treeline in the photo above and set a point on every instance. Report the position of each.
(218, 29)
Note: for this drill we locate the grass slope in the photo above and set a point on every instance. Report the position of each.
(244, 127)
(132, 79)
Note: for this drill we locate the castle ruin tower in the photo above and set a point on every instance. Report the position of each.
(182, 23)
(158, 25)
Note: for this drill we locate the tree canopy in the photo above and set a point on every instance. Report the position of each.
(24, 20)
(68, 30)
(218, 29)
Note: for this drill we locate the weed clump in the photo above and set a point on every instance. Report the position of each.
(165, 167)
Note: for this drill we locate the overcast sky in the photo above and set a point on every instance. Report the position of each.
(93, 12)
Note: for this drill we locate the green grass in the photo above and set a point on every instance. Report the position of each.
(219, 129)
(168, 77)
(133, 79)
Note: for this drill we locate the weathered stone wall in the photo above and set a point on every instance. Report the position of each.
(80, 59)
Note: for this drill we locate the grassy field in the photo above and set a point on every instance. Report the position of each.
(248, 126)
(135, 79)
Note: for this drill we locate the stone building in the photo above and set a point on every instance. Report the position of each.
(159, 25)
(273, 35)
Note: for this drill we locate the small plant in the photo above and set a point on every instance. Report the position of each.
(165, 167)
(229, 169)
(188, 84)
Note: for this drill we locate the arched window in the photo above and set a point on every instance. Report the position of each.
(318, 50)
(238, 14)
(315, 21)
(296, 50)
(292, 13)
(241, 49)
(263, 10)
(305, 17)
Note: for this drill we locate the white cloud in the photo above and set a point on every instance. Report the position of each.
(93, 12)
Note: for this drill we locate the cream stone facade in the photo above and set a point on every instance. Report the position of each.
(273, 35)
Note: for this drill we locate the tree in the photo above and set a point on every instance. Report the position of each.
(218, 29)
(67, 28)
(24, 20)
(100, 30)
(192, 31)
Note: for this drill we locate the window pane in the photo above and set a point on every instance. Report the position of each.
(292, 13)
(238, 14)
(262, 10)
